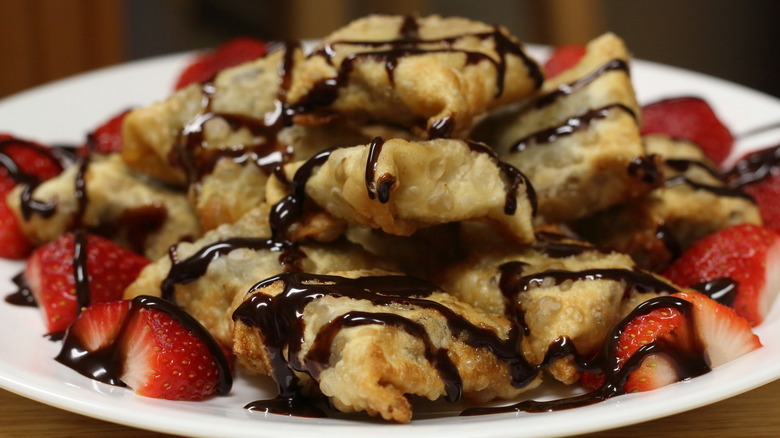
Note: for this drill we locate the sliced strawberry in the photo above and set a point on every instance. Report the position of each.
(563, 58)
(148, 344)
(689, 118)
(231, 53)
(758, 174)
(666, 325)
(50, 273)
(724, 335)
(98, 325)
(748, 254)
(163, 359)
(107, 138)
(21, 161)
(668, 339)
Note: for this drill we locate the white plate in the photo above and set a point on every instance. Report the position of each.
(64, 111)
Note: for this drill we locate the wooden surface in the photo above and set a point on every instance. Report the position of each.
(43, 40)
(753, 414)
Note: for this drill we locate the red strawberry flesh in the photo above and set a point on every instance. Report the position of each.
(562, 59)
(689, 118)
(748, 254)
(150, 345)
(231, 53)
(51, 276)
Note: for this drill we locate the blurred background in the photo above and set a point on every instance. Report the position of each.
(43, 40)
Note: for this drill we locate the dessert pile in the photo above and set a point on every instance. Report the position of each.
(414, 207)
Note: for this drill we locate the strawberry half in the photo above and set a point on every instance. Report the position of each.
(748, 254)
(148, 344)
(668, 339)
(107, 138)
(231, 53)
(665, 325)
(165, 360)
(21, 161)
(50, 274)
(758, 174)
(724, 335)
(563, 58)
(689, 118)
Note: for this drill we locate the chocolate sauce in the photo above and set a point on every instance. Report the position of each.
(635, 280)
(192, 154)
(318, 357)
(23, 296)
(408, 44)
(669, 240)
(645, 170)
(374, 149)
(559, 246)
(724, 191)
(723, 290)
(299, 406)
(567, 89)
(80, 274)
(754, 167)
(570, 126)
(194, 267)
(279, 320)
(515, 177)
(685, 354)
(105, 364)
(140, 222)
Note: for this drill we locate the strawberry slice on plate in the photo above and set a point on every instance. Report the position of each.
(748, 254)
(164, 360)
(758, 174)
(21, 161)
(563, 58)
(51, 275)
(231, 53)
(149, 345)
(668, 339)
(690, 118)
(107, 138)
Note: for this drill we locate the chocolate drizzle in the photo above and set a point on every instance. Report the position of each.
(382, 187)
(515, 177)
(681, 165)
(105, 364)
(572, 125)
(192, 154)
(193, 267)
(23, 296)
(567, 89)
(754, 167)
(685, 354)
(279, 321)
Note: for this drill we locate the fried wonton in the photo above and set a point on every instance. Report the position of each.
(400, 186)
(656, 228)
(578, 139)
(432, 73)
(107, 197)
(366, 341)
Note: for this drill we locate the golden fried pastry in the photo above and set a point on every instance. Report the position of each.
(236, 185)
(104, 195)
(433, 73)
(207, 274)
(400, 186)
(556, 288)
(366, 342)
(578, 139)
(655, 228)
(239, 114)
